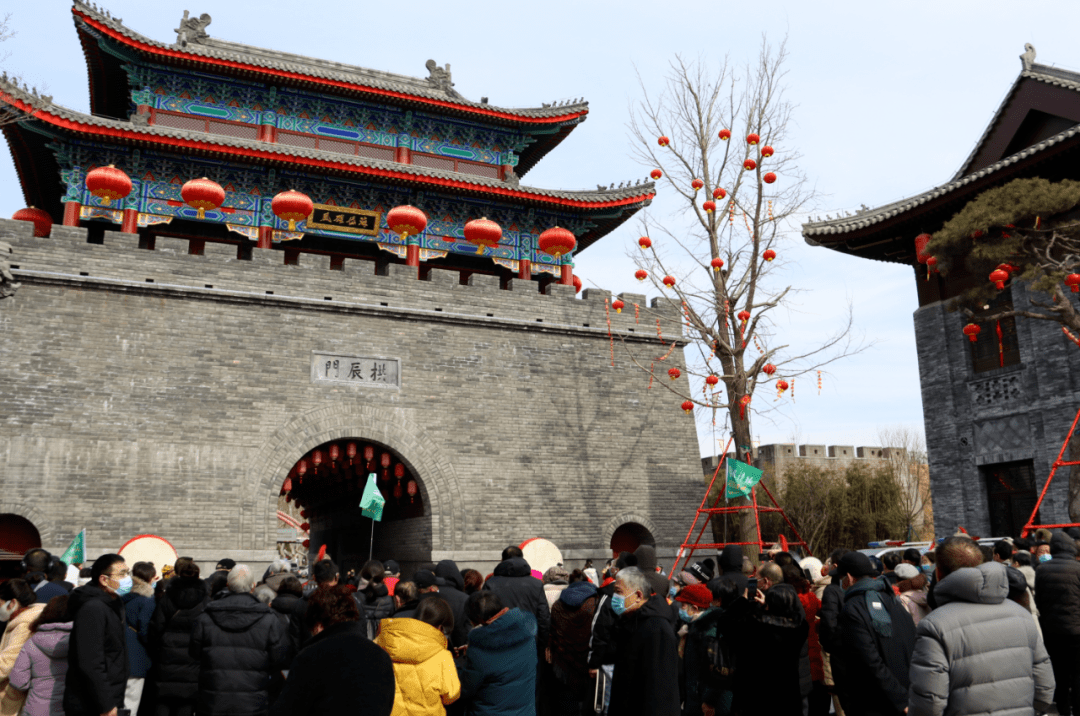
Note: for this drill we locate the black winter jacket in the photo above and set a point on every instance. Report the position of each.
(1057, 589)
(517, 588)
(375, 604)
(339, 671)
(97, 656)
(283, 606)
(605, 626)
(238, 642)
(832, 601)
(872, 670)
(455, 596)
(646, 681)
(730, 564)
(175, 672)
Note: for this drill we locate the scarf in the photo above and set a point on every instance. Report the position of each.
(871, 590)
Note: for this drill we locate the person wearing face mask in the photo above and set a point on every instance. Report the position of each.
(97, 661)
(646, 679)
(424, 672)
(694, 601)
(18, 611)
(1057, 596)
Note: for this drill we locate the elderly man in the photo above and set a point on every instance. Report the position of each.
(238, 642)
(978, 652)
(646, 679)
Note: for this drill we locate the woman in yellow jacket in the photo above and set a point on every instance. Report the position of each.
(424, 668)
(17, 612)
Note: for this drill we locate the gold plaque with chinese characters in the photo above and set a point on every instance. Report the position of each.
(341, 218)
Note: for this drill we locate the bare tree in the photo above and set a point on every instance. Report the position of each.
(9, 114)
(718, 137)
(906, 456)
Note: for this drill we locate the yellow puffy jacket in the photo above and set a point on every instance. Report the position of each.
(424, 669)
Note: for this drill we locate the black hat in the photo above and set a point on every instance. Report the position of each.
(700, 572)
(391, 567)
(424, 579)
(1017, 582)
(226, 563)
(855, 564)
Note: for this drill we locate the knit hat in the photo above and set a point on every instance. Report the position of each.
(556, 575)
(856, 564)
(906, 571)
(425, 579)
(697, 594)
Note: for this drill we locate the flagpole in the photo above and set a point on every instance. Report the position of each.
(371, 544)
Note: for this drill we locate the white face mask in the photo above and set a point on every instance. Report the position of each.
(8, 609)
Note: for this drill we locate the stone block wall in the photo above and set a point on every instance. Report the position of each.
(158, 391)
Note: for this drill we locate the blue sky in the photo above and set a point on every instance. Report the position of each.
(890, 99)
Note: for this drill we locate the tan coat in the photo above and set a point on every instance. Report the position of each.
(11, 643)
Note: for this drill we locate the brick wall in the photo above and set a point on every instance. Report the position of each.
(156, 391)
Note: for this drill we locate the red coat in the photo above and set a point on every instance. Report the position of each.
(811, 604)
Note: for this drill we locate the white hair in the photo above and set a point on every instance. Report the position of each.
(264, 593)
(241, 579)
(813, 566)
(280, 566)
(635, 580)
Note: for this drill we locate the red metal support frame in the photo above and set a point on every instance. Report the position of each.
(1031, 526)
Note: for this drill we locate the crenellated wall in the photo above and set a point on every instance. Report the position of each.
(158, 391)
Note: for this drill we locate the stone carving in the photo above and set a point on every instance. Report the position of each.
(1028, 58)
(511, 178)
(192, 29)
(8, 285)
(995, 391)
(139, 120)
(440, 77)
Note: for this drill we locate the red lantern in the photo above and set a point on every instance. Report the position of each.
(744, 316)
(306, 543)
(972, 331)
(42, 221)
(397, 490)
(656, 173)
(287, 487)
(108, 184)
(781, 386)
(669, 281)
(1073, 281)
(412, 490)
(406, 221)
(697, 184)
(920, 247)
(202, 195)
(766, 151)
(743, 402)
(768, 369)
(618, 305)
(749, 165)
(556, 241)
(369, 453)
(577, 284)
(305, 526)
(641, 274)
(483, 234)
(292, 206)
(303, 513)
(931, 265)
(769, 255)
(709, 207)
(350, 450)
(712, 381)
(663, 141)
(752, 139)
(717, 264)
(335, 452)
(725, 134)
(999, 278)
(674, 373)
(301, 468)
(688, 406)
(644, 242)
(769, 178)
(718, 193)
(288, 498)
(1008, 268)
(399, 471)
(385, 459)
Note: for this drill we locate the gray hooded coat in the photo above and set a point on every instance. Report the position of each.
(978, 652)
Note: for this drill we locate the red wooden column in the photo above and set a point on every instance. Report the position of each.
(130, 223)
(403, 155)
(567, 277)
(71, 213)
(412, 254)
(525, 269)
(266, 234)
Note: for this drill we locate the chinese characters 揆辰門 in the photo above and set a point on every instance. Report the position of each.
(379, 372)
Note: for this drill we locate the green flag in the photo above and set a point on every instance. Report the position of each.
(741, 478)
(371, 502)
(76, 551)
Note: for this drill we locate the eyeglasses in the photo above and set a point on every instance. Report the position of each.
(120, 575)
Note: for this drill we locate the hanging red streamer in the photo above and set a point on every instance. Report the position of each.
(611, 341)
(1001, 347)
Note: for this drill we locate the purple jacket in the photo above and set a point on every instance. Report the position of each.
(41, 668)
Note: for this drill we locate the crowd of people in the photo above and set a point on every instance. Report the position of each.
(959, 629)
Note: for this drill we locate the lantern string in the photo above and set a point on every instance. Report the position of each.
(637, 313)
(651, 374)
(1001, 345)
(659, 333)
(792, 390)
(1070, 336)
(819, 382)
(611, 341)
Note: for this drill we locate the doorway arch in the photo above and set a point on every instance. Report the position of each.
(438, 481)
(628, 531)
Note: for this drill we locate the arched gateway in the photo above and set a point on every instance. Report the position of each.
(336, 518)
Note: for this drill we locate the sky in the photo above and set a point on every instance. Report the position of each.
(890, 99)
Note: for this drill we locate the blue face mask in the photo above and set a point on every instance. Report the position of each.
(928, 569)
(685, 616)
(1044, 558)
(125, 586)
(618, 604)
(673, 592)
